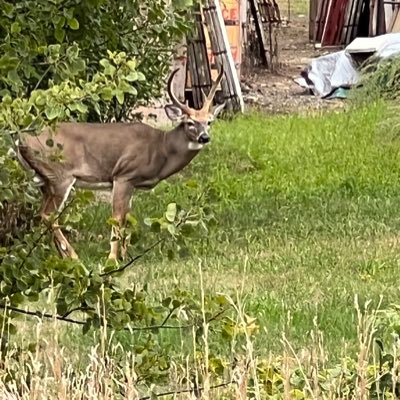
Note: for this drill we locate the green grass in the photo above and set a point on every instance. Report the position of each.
(308, 216)
(296, 6)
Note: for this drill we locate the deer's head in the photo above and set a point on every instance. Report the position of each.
(195, 123)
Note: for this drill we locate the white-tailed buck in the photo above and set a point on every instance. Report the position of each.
(121, 156)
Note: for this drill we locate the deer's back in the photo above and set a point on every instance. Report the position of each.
(94, 151)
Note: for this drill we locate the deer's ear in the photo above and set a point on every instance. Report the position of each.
(218, 109)
(174, 113)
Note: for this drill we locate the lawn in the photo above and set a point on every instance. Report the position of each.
(307, 218)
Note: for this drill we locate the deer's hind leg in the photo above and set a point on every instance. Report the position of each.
(54, 198)
(121, 195)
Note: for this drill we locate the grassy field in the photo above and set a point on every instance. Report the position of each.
(307, 217)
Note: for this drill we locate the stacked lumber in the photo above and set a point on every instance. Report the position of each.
(265, 17)
(338, 22)
(210, 35)
(222, 36)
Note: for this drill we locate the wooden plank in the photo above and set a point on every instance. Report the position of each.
(351, 6)
(335, 22)
(312, 20)
(194, 77)
(395, 22)
(266, 15)
(329, 26)
(389, 9)
(357, 20)
(269, 11)
(223, 54)
(277, 11)
(323, 6)
(381, 26)
(352, 22)
(199, 67)
(377, 18)
(361, 22)
(265, 56)
(372, 17)
(234, 14)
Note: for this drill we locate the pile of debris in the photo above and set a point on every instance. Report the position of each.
(332, 75)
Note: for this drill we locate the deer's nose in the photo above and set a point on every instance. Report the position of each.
(203, 138)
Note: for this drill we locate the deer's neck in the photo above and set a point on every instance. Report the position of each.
(177, 152)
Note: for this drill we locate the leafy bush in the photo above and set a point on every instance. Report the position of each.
(41, 41)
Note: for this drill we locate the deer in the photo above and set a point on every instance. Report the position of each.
(118, 156)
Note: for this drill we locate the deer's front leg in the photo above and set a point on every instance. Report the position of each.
(122, 192)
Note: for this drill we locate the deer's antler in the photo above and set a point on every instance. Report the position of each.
(184, 107)
(208, 99)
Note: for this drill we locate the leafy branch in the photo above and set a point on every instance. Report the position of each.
(132, 260)
(168, 221)
(44, 232)
(63, 318)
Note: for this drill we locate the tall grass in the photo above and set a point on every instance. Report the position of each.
(50, 370)
(380, 79)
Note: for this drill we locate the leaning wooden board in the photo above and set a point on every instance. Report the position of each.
(320, 20)
(335, 22)
(395, 22)
(221, 51)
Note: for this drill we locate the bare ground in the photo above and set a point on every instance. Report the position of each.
(276, 92)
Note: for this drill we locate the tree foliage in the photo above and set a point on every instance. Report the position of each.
(45, 43)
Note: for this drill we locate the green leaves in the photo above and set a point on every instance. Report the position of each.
(54, 112)
(120, 96)
(15, 27)
(133, 51)
(73, 24)
(70, 99)
(171, 212)
(109, 69)
(59, 34)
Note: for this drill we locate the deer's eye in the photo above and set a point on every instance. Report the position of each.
(191, 124)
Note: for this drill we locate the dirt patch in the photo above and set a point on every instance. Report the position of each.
(277, 92)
